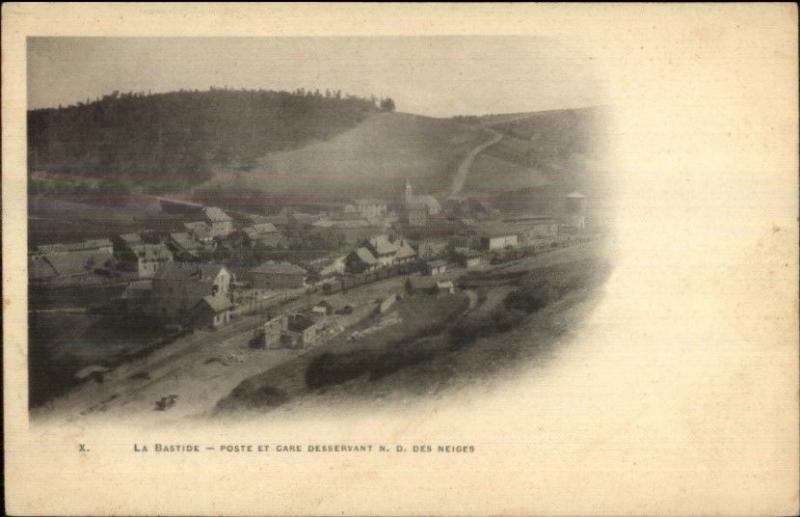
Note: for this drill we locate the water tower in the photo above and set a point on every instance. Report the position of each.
(575, 210)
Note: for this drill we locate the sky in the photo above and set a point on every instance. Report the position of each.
(435, 76)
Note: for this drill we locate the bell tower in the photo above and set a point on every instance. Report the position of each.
(409, 191)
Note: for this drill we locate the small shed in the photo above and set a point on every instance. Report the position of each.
(213, 311)
(445, 287)
(273, 330)
(469, 258)
(436, 267)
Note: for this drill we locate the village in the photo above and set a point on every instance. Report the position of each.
(254, 273)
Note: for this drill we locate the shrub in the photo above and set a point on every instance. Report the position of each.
(531, 299)
(329, 368)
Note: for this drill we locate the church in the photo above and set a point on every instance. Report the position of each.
(419, 210)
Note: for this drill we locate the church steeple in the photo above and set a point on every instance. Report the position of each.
(409, 191)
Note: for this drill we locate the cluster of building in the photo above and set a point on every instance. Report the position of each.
(298, 330)
(379, 251)
(179, 276)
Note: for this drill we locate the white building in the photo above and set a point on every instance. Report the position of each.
(370, 208)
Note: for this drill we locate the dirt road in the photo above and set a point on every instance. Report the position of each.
(463, 169)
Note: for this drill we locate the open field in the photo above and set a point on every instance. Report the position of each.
(54, 218)
(61, 344)
(491, 174)
(558, 149)
(374, 158)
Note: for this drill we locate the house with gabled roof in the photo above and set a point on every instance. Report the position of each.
(259, 235)
(361, 260)
(326, 267)
(383, 249)
(405, 253)
(344, 230)
(277, 275)
(220, 223)
(179, 287)
(200, 231)
(146, 259)
(184, 246)
(212, 311)
(389, 252)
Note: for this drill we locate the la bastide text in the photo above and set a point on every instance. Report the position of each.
(248, 448)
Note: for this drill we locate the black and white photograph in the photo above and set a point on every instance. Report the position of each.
(400, 259)
(233, 225)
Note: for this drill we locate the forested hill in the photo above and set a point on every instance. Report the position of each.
(182, 136)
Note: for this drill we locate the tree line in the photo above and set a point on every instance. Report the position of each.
(183, 135)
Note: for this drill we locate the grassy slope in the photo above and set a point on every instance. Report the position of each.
(560, 149)
(373, 158)
(490, 173)
(544, 148)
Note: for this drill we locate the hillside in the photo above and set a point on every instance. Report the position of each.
(554, 149)
(183, 136)
(294, 147)
(550, 140)
(374, 157)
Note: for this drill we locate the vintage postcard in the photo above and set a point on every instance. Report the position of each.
(400, 259)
